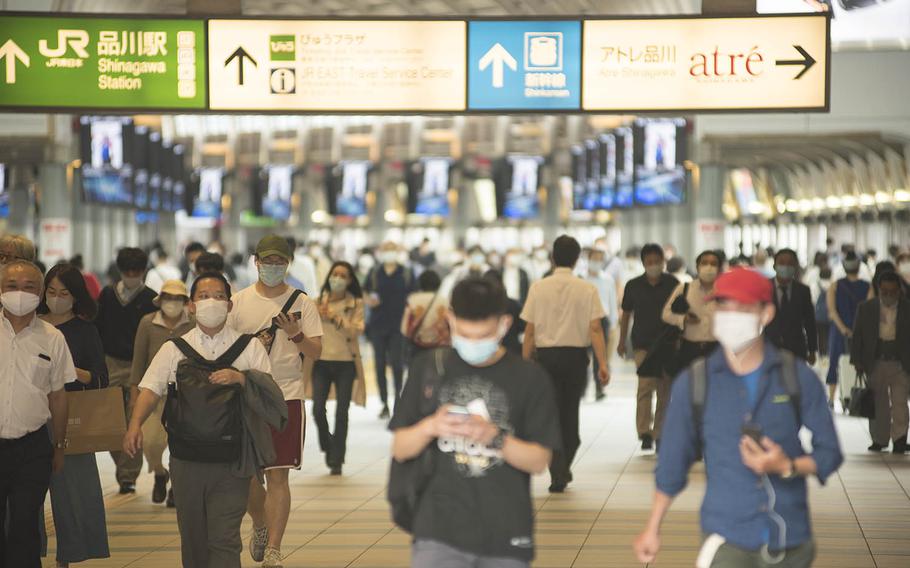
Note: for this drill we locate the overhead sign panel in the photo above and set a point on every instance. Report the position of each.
(524, 65)
(337, 66)
(102, 63)
(696, 64)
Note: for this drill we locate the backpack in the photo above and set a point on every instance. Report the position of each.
(203, 420)
(821, 307)
(408, 480)
(699, 390)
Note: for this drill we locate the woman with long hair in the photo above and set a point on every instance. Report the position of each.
(341, 309)
(76, 498)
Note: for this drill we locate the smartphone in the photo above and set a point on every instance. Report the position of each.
(753, 431)
(295, 316)
(459, 411)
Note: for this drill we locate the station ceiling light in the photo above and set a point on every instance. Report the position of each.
(866, 199)
(882, 197)
(901, 195)
(319, 216)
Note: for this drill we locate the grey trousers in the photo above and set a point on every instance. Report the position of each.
(211, 502)
(128, 468)
(434, 554)
(729, 556)
(889, 382)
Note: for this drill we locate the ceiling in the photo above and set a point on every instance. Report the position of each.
(756, 151)
(398, 7)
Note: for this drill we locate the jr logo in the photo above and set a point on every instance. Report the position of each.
(77, 39)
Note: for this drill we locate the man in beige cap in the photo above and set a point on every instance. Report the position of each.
(288, 324)
(155, 329)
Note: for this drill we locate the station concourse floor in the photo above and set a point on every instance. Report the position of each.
(861, 518)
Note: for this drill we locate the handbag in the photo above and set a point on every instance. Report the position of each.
(96, 421)
(414, 328)
(862, 399)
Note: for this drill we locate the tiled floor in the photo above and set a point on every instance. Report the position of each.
(862, 518)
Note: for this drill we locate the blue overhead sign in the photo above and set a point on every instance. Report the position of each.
(524, 65)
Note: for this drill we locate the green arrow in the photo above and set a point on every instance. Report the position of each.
(12, 52)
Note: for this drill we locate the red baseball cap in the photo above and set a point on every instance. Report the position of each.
(743, 285)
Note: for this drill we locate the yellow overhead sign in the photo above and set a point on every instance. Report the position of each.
(329, 65)
(706, 64)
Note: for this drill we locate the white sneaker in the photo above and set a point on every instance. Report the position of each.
(272, 558)
(259, 538)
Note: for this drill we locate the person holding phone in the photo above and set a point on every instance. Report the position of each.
(495, 425)
(747, 425)
(287, 323)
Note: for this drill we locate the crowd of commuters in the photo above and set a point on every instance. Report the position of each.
(490, 355)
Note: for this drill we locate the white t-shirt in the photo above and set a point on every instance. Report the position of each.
(253, 313)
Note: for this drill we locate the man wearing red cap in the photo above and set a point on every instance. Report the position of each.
(747, 424)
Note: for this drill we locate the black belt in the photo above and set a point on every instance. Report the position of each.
(10, 442)
(888, 351)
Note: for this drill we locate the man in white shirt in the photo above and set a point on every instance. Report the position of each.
(36, 363)
(211, 493)
(514, 277)
(564, 317)
(606, 289)
(288, 324)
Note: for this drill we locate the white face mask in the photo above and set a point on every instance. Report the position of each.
(211, 313)
(59, 305)
(388, 257)
(172, 308)
(736, 331)
(707, 274)
(19, 303)
(654, 270)
(904, 268)
(513, 261)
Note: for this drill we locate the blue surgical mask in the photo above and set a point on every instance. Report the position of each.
(272, 274)
(476, 351)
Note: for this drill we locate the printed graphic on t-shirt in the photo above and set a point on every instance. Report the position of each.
(482, 398)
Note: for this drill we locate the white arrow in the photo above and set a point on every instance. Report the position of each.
(12, 52)
(497, 56)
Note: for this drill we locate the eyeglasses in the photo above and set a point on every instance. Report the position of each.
(4, 258)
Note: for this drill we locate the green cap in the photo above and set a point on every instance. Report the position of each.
(274, 245)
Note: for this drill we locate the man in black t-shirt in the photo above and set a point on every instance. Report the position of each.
(645, 298)
(496, 425)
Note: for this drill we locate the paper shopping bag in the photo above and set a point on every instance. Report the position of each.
(97, 421)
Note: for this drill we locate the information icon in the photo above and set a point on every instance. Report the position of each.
(283, 81)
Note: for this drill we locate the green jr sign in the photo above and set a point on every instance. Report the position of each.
(102, 63)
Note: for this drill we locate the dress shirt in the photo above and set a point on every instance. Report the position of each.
(703, 331)
(511, 279)
(35, 363)
(561, 307)
(735, 504)
(163, 369)
(606, 289)
(887, 330)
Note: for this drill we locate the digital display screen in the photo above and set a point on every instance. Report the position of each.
(208, 200)
(141, 159)
(178, 172)
(276, 201)
(518, 187)
(347, 186)
(4, 192)
(607, 148)
(744, 191)
(660, 177)
(107, 160)
(428, 187)
(625, 164)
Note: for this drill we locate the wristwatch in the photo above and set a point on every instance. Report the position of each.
(792, 473)
(498, 440)
(62, 445)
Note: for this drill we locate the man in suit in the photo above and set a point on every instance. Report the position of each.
(881, 334)
(793, 327)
